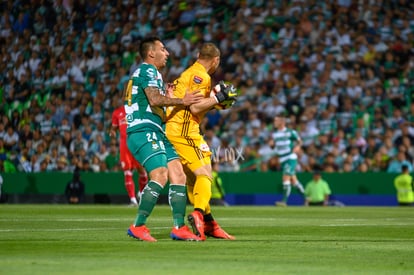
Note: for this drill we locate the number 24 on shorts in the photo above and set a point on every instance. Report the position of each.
(152, 138)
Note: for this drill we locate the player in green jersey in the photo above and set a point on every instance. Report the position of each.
(287, 145)
(146, 98)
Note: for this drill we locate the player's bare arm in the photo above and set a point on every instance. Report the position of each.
(203, 106)
(297, 147)
(227, 92)
(157, 99)
(170, 90)
(192, 97)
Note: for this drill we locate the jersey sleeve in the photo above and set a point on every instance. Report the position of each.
(327, 189)
(295, 135)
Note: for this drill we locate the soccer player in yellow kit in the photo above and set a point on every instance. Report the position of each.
(183, 131)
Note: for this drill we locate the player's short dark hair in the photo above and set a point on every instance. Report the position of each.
(404, 167)
(281, 115)
(146, 44)
(208, 51)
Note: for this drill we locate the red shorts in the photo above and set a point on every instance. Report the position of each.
(128, 162)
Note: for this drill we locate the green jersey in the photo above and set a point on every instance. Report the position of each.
(139, 113)
(285, 140)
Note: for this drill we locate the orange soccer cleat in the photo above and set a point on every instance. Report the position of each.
(183, 234)
(213, 229)
(196, 220)
(141, 233)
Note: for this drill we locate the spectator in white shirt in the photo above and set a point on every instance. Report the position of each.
(60, 81)
(286, 34)
(174, 45)
(78, 143)
(339, 73)
(74, 72)
(354, 90)
(34, 61)
(96, 62)
(11, 138)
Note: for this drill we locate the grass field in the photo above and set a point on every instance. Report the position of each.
(63, 239)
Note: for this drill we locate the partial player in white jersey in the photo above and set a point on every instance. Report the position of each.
(287, 144)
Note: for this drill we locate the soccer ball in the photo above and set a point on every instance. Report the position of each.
(223, 105)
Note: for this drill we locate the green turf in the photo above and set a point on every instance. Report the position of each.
(63, 239)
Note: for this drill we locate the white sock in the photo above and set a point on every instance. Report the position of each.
(287, 189)
(299, 186)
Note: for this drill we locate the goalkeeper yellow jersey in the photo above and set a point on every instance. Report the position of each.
(180, 120)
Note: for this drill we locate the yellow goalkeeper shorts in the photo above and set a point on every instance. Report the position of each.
(193, 151)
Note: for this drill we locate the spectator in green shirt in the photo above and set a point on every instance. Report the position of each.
(9, 165)
(112, 159)
(404, 185)
(317, 191)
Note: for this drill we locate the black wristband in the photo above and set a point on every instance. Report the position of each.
(220, 96)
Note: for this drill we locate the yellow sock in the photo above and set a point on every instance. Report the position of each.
(202, 192)
(207, 210)
(190, 194)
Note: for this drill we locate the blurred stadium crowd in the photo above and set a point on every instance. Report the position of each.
(342, 71)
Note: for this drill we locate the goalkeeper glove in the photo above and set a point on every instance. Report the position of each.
(227, 92)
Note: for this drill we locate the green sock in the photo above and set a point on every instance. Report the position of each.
(148, 200)
(178, 202)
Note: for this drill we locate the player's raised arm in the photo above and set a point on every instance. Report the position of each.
(226, 93)
(203, 106)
